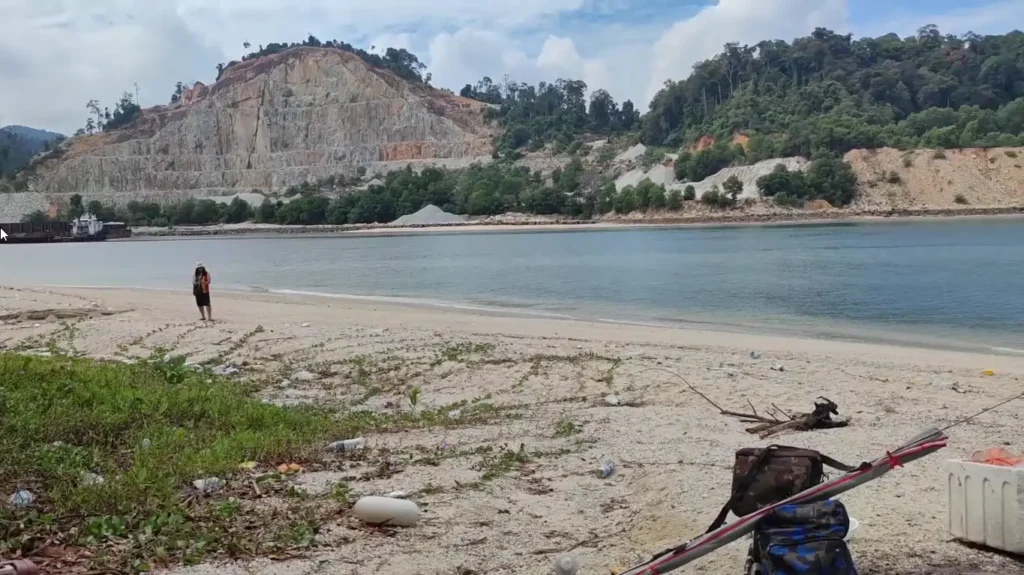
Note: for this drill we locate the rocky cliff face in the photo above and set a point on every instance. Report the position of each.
(270, 123)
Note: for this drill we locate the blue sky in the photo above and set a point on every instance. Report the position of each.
(55, 55)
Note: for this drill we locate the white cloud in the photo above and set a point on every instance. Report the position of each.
(745, 21)
(57, 54)
(995, 18)
(382, 42)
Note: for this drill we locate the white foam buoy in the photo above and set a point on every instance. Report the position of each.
(854, 524)
(567, 565)
(386, 511)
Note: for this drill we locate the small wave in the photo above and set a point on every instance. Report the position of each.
(1006, 350)
(423, 302)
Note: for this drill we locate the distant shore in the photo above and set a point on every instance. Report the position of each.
(564, 224)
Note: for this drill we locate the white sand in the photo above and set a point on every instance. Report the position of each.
(673, 451)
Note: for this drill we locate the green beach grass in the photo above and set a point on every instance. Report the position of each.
(149, 430)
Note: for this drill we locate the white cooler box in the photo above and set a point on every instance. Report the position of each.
(986, 504)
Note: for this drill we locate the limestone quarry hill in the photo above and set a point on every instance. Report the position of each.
(269, 123)
(310, 113)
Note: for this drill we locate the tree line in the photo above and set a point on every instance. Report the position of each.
(558, 112)
(398, 61)
(479, 190)
(125, 110)
(829, 93)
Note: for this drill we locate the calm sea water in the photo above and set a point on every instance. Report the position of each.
(942, 283)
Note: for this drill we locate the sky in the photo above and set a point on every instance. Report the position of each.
(56, 55)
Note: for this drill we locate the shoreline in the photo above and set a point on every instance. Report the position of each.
(842, 333)
(401, 313)
(834, 217)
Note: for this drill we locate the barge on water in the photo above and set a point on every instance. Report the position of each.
(83, 229)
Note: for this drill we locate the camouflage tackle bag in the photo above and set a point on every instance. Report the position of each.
(768, 475)
(802, 539)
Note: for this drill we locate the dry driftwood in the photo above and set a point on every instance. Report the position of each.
(820, 418)
(769, 424)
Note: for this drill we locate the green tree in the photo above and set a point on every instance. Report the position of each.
(658, 198)
(625, 201)
(733, 187)
(689, 193)
(179, 89)
(267, 212)
(36, 217)
(236, 212)
(642, 194)
(675, 199)
(832, 180)
(75, 207)
(606, 198)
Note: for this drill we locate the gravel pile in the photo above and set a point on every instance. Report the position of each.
(16, 205)
(429, 214)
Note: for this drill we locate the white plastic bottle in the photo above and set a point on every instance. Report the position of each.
(347, 445)
(386, 511)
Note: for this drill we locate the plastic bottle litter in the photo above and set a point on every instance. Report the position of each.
(305, 325)
(567, 565)
(304, 375)
(208, 485)
(755, 355)
(397, 495)
(606, 470)
(89, 478)
(228, 369)
(455, 414)
(611, 399)
(347, 445)
(146, 443)
(21, 498)
(386, 511)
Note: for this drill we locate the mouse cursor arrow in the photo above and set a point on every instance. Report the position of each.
(3, 235)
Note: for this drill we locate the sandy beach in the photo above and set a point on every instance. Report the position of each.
(547, 382)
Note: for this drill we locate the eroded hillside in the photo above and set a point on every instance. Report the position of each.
(893, 179)
(270, 123)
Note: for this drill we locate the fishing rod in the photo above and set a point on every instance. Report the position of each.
(922, 445)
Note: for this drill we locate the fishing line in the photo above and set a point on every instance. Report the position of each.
(950, 426)
(982, 412)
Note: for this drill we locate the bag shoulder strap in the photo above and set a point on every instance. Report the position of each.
(835, 464)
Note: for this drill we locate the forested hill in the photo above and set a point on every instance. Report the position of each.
(19, 143)
(828, 92)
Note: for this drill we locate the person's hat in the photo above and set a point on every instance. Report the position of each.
(199, 264)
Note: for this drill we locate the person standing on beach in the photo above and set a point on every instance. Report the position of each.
(201, 289)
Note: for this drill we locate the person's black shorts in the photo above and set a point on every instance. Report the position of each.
(203, 300)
